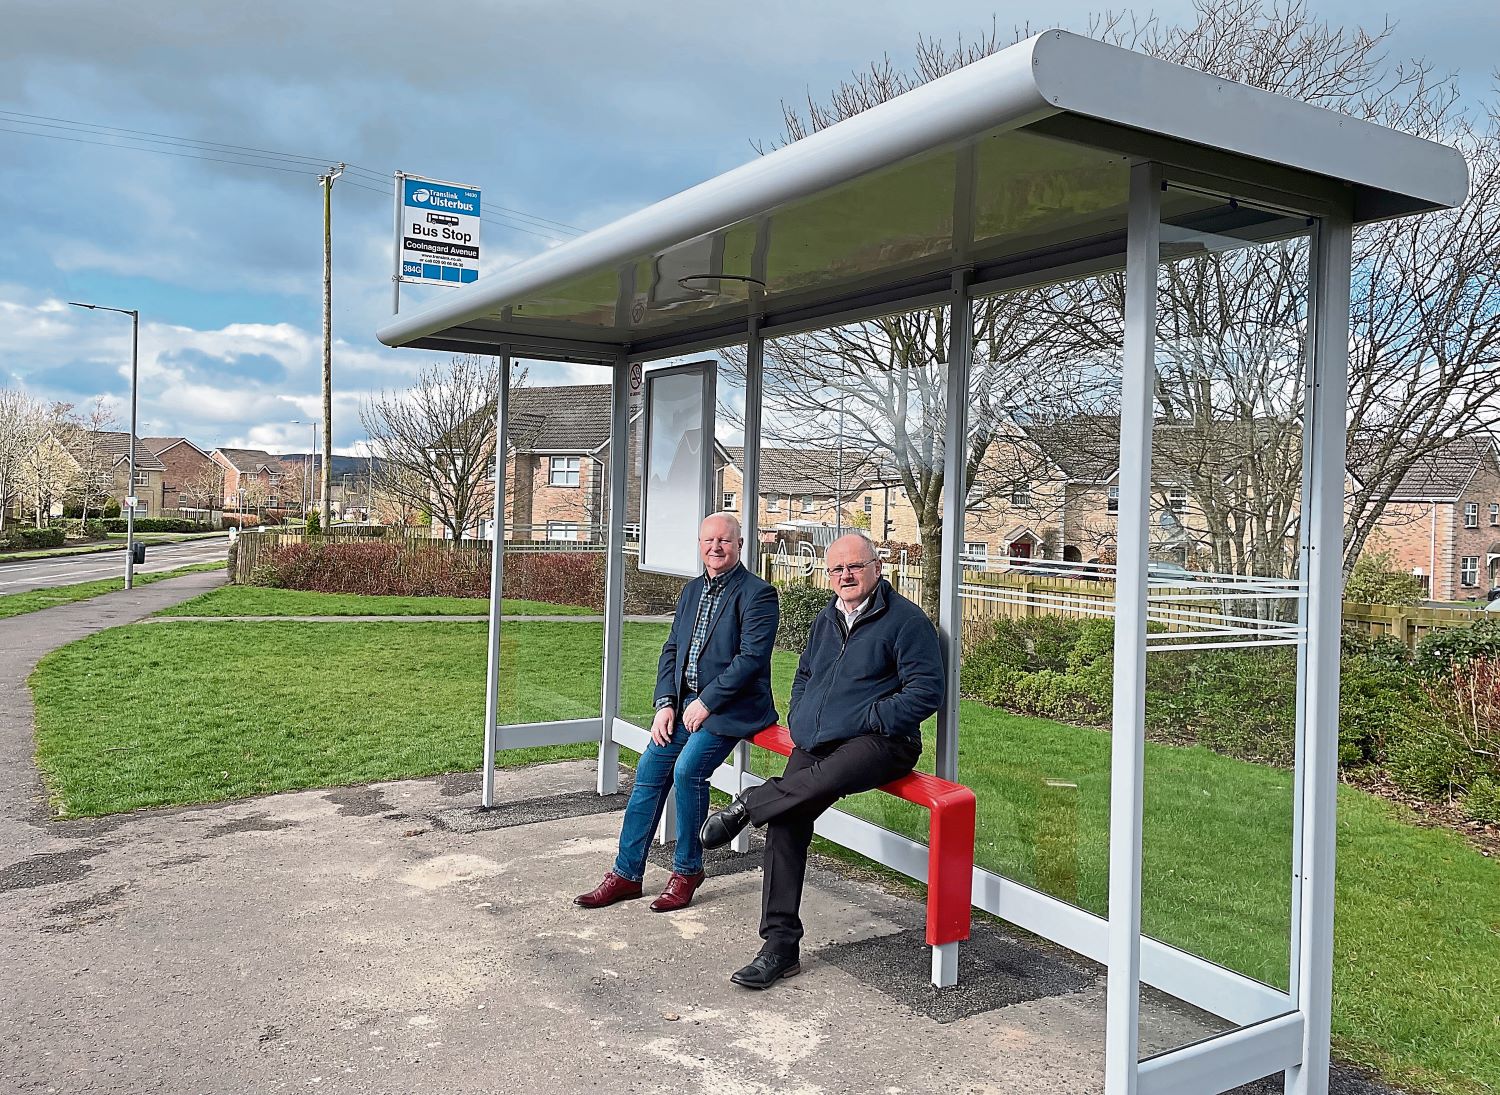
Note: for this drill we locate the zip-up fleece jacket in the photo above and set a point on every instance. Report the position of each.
(884, 676)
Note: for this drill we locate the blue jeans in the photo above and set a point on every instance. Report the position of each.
(685, 763)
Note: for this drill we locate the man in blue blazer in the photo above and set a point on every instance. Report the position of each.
(713, 689)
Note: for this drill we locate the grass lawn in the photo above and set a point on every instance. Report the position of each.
(18, 604)
(259, 601)
(1417, 977)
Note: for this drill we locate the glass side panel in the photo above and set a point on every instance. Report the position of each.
(1038, 592)
(1225, 638)
(555, 489)
(852, 422)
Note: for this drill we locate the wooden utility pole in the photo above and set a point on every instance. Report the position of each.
(325, 498)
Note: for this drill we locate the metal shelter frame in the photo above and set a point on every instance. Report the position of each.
(1085, 112)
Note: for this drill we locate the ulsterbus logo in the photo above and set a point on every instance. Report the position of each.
(432, 198)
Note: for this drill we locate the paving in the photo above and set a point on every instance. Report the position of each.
(394, 938)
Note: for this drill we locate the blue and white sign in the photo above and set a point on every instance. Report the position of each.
(437, 231)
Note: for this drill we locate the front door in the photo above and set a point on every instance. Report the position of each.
(1020, 549)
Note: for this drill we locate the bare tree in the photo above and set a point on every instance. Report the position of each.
(24, 424)
(434, 442)
(47, 470)
(1230, 390)
(96, 465)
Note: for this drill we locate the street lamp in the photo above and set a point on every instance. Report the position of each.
(135, 342)
(310, 463)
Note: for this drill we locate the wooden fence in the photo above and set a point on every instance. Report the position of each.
(1406, 622)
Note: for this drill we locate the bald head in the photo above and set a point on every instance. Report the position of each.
(719, 543)
(853, 569)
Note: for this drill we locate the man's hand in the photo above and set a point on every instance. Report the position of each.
(693, 717)
(663, 724)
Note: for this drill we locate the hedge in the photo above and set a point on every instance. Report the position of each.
(156, 524)
(25, 538)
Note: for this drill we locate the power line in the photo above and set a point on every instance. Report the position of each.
(139, 140)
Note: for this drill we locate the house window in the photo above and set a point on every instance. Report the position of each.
(142, 479)
(870, 504)
(562, 530)
(1177, 499)
(1112, 502)
(1471, 515)
(728, 500)
(1468, 570)
(182, 501)
(807, 503)
(564, 471)
(976, 551)
(1494, 513)
(1020, 494)
(773, 503)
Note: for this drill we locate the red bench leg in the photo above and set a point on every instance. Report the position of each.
(950, 882)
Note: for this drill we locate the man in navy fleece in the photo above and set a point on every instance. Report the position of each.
(871, 672)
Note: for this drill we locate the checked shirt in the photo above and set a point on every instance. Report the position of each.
(713, 593)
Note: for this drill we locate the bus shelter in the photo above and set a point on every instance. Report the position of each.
(1056, 164)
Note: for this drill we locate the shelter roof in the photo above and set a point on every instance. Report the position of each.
(1015, 164)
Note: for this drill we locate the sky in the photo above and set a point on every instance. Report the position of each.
(563, 114)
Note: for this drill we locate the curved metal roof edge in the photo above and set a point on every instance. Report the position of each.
(974, 99)
(1055, 72)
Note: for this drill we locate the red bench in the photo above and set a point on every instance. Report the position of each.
(950, 851)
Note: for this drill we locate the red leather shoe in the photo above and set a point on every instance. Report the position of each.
(612, 889)
(679, 892)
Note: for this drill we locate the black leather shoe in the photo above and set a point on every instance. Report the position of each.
(765, 969)
(722, 826)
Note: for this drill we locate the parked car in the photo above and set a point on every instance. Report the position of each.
(1494, 605)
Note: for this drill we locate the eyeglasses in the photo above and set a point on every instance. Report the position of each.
(852, 568)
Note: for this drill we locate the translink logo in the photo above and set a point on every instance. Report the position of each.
(442, 199)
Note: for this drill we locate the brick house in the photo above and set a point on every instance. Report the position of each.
(254, 479)
(192, 481)
(104, 455)
(1443, 520)
(1038, 494)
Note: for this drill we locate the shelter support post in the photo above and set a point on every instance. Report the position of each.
(1127, 745)
(1322, 559)
(755, 361)
(497, 576)
(614, 574)
(955, 442)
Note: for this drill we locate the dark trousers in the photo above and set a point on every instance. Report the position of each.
(789, 804)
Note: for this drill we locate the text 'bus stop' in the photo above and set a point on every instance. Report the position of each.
(1059, 174)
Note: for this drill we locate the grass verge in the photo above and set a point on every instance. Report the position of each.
(260, 601)
(18, 604)
(1417, 967)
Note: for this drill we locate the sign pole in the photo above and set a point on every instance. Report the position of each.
(396, 249)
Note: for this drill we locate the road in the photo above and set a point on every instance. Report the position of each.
(24, 575)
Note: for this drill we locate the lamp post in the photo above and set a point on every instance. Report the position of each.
(135, 342)
(309, 469)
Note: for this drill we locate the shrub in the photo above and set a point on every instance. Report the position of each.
(314, 523)
(1377, 579)
(1482, 800)
(554, 577)
(1453, 750)
(20, 536)
(800, 605)
(1440, 651)
(111, 509)
(249, 520)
